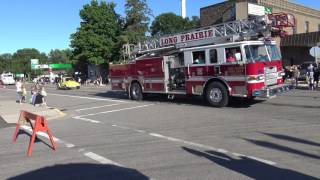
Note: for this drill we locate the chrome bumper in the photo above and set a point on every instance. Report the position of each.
(272, 91)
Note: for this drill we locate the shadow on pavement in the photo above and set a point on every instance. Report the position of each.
(292, 139)
(293, 105)
(249, 167)
(37, 140)
(82, 171)
(179, 99)
(282, 148)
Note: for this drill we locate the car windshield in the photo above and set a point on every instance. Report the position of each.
(69, 79)
(256, 53)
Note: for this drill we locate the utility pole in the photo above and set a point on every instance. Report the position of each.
(183, 9)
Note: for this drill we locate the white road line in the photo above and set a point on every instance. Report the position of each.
(97, 107)
(91, 98)
(116, 110)
(91, 155)
(140, 131)
(192, 144)
(101, 159)
(87, 120)
(211, 148)
(28, 128)
(69, 145)
(222, 151)
(255, 158)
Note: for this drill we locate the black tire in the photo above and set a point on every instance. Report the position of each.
(78, 87)
(136, 91)
(217, 95)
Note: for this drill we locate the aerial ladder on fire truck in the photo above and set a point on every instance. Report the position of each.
(258, 27)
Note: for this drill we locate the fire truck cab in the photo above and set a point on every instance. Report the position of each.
(216, 71)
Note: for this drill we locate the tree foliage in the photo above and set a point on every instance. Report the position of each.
(57, 56)
(137, 20)
(5, 62)
(96, 39)
(169, 23)
(20, 62)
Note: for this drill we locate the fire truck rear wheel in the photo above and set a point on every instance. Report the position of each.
(136, 92)
(217, 94)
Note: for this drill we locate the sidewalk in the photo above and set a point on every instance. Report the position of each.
(10, 111)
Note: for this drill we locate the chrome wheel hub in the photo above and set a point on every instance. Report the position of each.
(215, 95)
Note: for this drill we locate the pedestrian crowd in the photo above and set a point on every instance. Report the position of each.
(37, 97)
(311, 76)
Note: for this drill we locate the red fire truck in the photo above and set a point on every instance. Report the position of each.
(233, 59)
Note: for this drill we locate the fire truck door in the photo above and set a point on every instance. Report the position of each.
(197, 64)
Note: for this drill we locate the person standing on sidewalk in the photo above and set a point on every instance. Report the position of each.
(43, 93)
(19, 91)
(296, 75)
(316, 74)
(24, 94)
(310, 75)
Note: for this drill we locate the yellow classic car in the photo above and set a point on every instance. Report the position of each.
(68, 83)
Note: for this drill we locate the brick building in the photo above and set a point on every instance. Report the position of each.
(307, 21)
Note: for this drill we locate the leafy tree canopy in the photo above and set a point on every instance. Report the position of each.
(137, 20)
(21, 59)
(60, 56)
(96, 39)
(169, 23)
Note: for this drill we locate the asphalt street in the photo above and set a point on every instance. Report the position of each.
(106, 136)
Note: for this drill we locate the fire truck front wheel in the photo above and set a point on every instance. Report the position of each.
(136, 92)
(217, 95)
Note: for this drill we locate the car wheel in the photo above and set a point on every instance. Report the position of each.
(136, 91)
(217, 95)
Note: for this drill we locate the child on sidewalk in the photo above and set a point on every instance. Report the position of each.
(24, 94)
(43, 93)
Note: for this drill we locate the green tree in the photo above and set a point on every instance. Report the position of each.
(169, 23)
(95, 40)
(194, 22)
(5, 62)
(21, 60)
(59, 56)
(137, 20)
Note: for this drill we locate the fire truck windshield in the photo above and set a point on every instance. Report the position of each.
(262, 53)
(273, 52)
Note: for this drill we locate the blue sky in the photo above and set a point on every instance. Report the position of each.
(47, 24)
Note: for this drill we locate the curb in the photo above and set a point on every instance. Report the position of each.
(61, 114)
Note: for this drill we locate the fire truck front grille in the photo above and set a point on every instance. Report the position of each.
(271, 75)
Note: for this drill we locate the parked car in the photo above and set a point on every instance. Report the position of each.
(7, 78)
(68, 83)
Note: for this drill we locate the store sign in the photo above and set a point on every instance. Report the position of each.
(60, 66)
(268, 10)
(34, 63)
(42, 66)
(256, 10)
